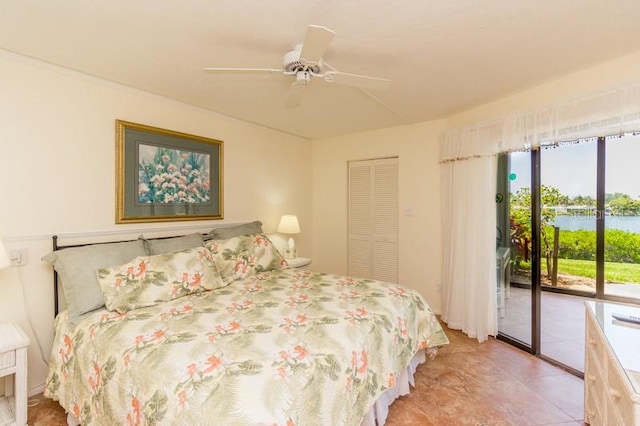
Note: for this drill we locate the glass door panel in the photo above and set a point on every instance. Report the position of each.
(568, 217)
(514, 313)
(568, 194)
(622, 218)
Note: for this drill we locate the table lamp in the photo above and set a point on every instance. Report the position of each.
(289, 225)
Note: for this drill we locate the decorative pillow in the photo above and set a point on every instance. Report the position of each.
(166, 245)
(76, 268)
(226, 232)
(149, 280)
(243, 256)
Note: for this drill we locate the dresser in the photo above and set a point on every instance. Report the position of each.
(612, 366)
(13, 366)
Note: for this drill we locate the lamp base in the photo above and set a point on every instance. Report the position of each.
(290, 252)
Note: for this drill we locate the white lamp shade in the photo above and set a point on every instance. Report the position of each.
(5, 261)
(289, 224)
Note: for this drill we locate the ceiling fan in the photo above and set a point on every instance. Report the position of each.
(305, 61)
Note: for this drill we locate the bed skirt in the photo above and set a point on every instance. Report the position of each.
(377, 414)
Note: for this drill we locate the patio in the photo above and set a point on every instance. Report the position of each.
(562, 324)
(562, 320)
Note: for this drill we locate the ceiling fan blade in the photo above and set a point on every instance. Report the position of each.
(294, 95)
(243, 70)
(362, 81)
(316, 43)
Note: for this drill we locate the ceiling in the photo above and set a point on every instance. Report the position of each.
(443, 56)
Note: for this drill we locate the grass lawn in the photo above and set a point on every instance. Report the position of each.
(616, 272)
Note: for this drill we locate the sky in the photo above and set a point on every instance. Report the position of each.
(572, 168)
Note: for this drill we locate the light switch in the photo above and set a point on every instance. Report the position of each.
(18, 256)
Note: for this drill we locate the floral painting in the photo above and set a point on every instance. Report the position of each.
(164, 175)
(172, 176)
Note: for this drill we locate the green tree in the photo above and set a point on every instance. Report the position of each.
(608, 197)
(624, 206)
(521, 218)
(583, 200)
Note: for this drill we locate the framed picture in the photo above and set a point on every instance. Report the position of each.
(162, 175)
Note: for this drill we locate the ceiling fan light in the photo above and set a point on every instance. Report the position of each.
(302, 78)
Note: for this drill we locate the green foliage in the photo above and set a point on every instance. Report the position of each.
(582, 200)
(620, 246)
(521, 221)
(577, 245)
(624, 206)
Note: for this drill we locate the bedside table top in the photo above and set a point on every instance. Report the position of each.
(12, 337)
(298, 262)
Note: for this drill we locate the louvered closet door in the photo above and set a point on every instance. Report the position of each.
(360, 219)
(373, 219)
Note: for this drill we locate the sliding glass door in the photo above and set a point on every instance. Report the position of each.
(622, 218)
(568, 250)
(574, 219)
(514, 201)
(568, 192)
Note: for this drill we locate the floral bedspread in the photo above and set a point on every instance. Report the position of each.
(284, 347)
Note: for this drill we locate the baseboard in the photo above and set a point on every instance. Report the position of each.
(36, 390)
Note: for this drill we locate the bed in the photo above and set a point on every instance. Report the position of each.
(220, 331)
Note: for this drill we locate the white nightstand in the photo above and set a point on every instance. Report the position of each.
(300, 263)
(13, 361)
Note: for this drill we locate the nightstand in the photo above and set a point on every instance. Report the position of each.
(300, 263)
(13, 361)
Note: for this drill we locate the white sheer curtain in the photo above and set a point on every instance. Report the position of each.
(469, 233)
(612, 112)
(468, 161)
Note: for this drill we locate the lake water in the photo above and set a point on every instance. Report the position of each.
(575, 223)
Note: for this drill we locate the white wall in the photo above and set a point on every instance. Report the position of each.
(596, 79)
(417, 148)
(57, 138)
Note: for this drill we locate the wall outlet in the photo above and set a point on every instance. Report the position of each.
(18, 256)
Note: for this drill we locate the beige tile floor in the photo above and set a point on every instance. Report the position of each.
(562, 324)
(468, 383)
(489, 384)
(562, 321)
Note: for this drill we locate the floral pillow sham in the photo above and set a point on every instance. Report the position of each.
(149, 280)
(246, 255)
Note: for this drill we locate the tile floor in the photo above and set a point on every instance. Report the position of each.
(562, 324)
(489, 384)
(466, 384)
(562, 321)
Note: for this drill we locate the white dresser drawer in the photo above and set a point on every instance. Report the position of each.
(595, 399)
(594, 403)
(595, 342)
(619, 393)
(8, 360)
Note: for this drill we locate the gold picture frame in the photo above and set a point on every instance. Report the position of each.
(163, 175)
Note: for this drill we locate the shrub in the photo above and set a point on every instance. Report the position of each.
(620, 246)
